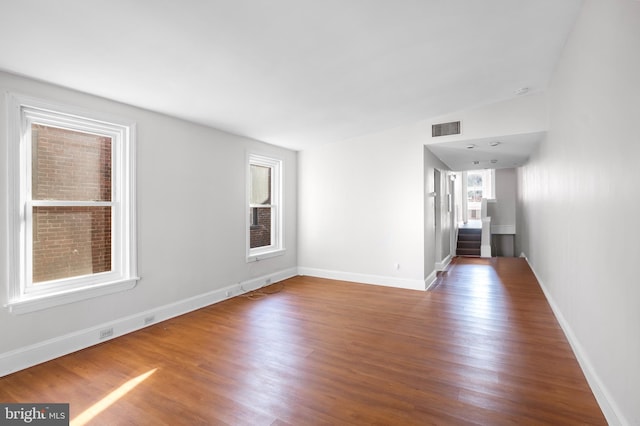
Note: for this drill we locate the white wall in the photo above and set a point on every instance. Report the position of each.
(361, 209)
(191, 218)
(503, 210)
(578, 199)
(436, 247)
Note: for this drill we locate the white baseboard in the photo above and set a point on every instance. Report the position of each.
(364, 278)
(47, 350)
(609, 408)
(442, 266)
(430, 280)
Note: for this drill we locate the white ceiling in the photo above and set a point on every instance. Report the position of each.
(511, 151)
(294, 73)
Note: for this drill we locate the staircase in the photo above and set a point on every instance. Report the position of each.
(469, 242)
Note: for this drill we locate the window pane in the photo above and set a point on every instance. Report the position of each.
(260, 232)
(260, 185)
(70, 241)
(70, 165)
(474, 195)
(474, 180)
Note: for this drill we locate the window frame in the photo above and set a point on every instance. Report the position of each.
(276, 248)
(23, 295)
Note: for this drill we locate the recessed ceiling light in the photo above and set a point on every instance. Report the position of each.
(494, 143)
(471, 146)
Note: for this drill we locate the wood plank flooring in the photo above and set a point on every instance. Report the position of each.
(482, 348)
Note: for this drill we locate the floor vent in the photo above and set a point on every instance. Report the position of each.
(445, 129)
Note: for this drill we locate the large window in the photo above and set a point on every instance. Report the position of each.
(265, 237)
(72, 228)
(479, 186)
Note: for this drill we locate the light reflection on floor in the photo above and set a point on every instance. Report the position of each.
(268, 325)
(88, 414)
(481, 284)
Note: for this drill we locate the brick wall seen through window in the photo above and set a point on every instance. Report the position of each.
(72, 166)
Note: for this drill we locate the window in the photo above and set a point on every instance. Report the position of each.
(264, 216)
(72, 227)
(479, 186)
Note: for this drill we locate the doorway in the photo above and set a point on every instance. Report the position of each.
(479, 185)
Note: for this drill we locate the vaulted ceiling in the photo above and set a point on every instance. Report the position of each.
(293, 73)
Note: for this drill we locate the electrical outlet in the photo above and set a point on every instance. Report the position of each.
(148, 320)
(107, 332)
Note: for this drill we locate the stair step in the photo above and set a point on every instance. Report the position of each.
(469, 237)
(469, 244)
(469, 230)
(467, 252)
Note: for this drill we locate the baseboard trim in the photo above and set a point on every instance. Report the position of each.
(607, 404)
(47, 350)
(430, 281)
(364, 278)
(442, 266)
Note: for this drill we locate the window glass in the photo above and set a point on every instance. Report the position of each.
(260, 184)
(70, 242)
(70, 165)
(260, 233)
(474, 180)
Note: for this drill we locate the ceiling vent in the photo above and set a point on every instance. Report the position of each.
(445, 129)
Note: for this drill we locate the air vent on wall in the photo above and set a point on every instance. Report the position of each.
(445, 129)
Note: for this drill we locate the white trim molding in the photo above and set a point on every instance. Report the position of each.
(607, 404)
(23, 294)
(26, 305)
(442, 265)
(47, 350)
(275, 206)
(430, 281)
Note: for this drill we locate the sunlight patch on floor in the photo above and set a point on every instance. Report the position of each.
(88, 414)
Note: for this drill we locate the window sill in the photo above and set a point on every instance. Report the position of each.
(36, 303)
(265, 255)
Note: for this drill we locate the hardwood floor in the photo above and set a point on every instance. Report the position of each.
(482, 348)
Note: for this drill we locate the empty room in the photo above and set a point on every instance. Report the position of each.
(298, 212)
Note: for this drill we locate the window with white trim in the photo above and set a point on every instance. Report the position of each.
(264, 215)
(72, 207)
(480, 184)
